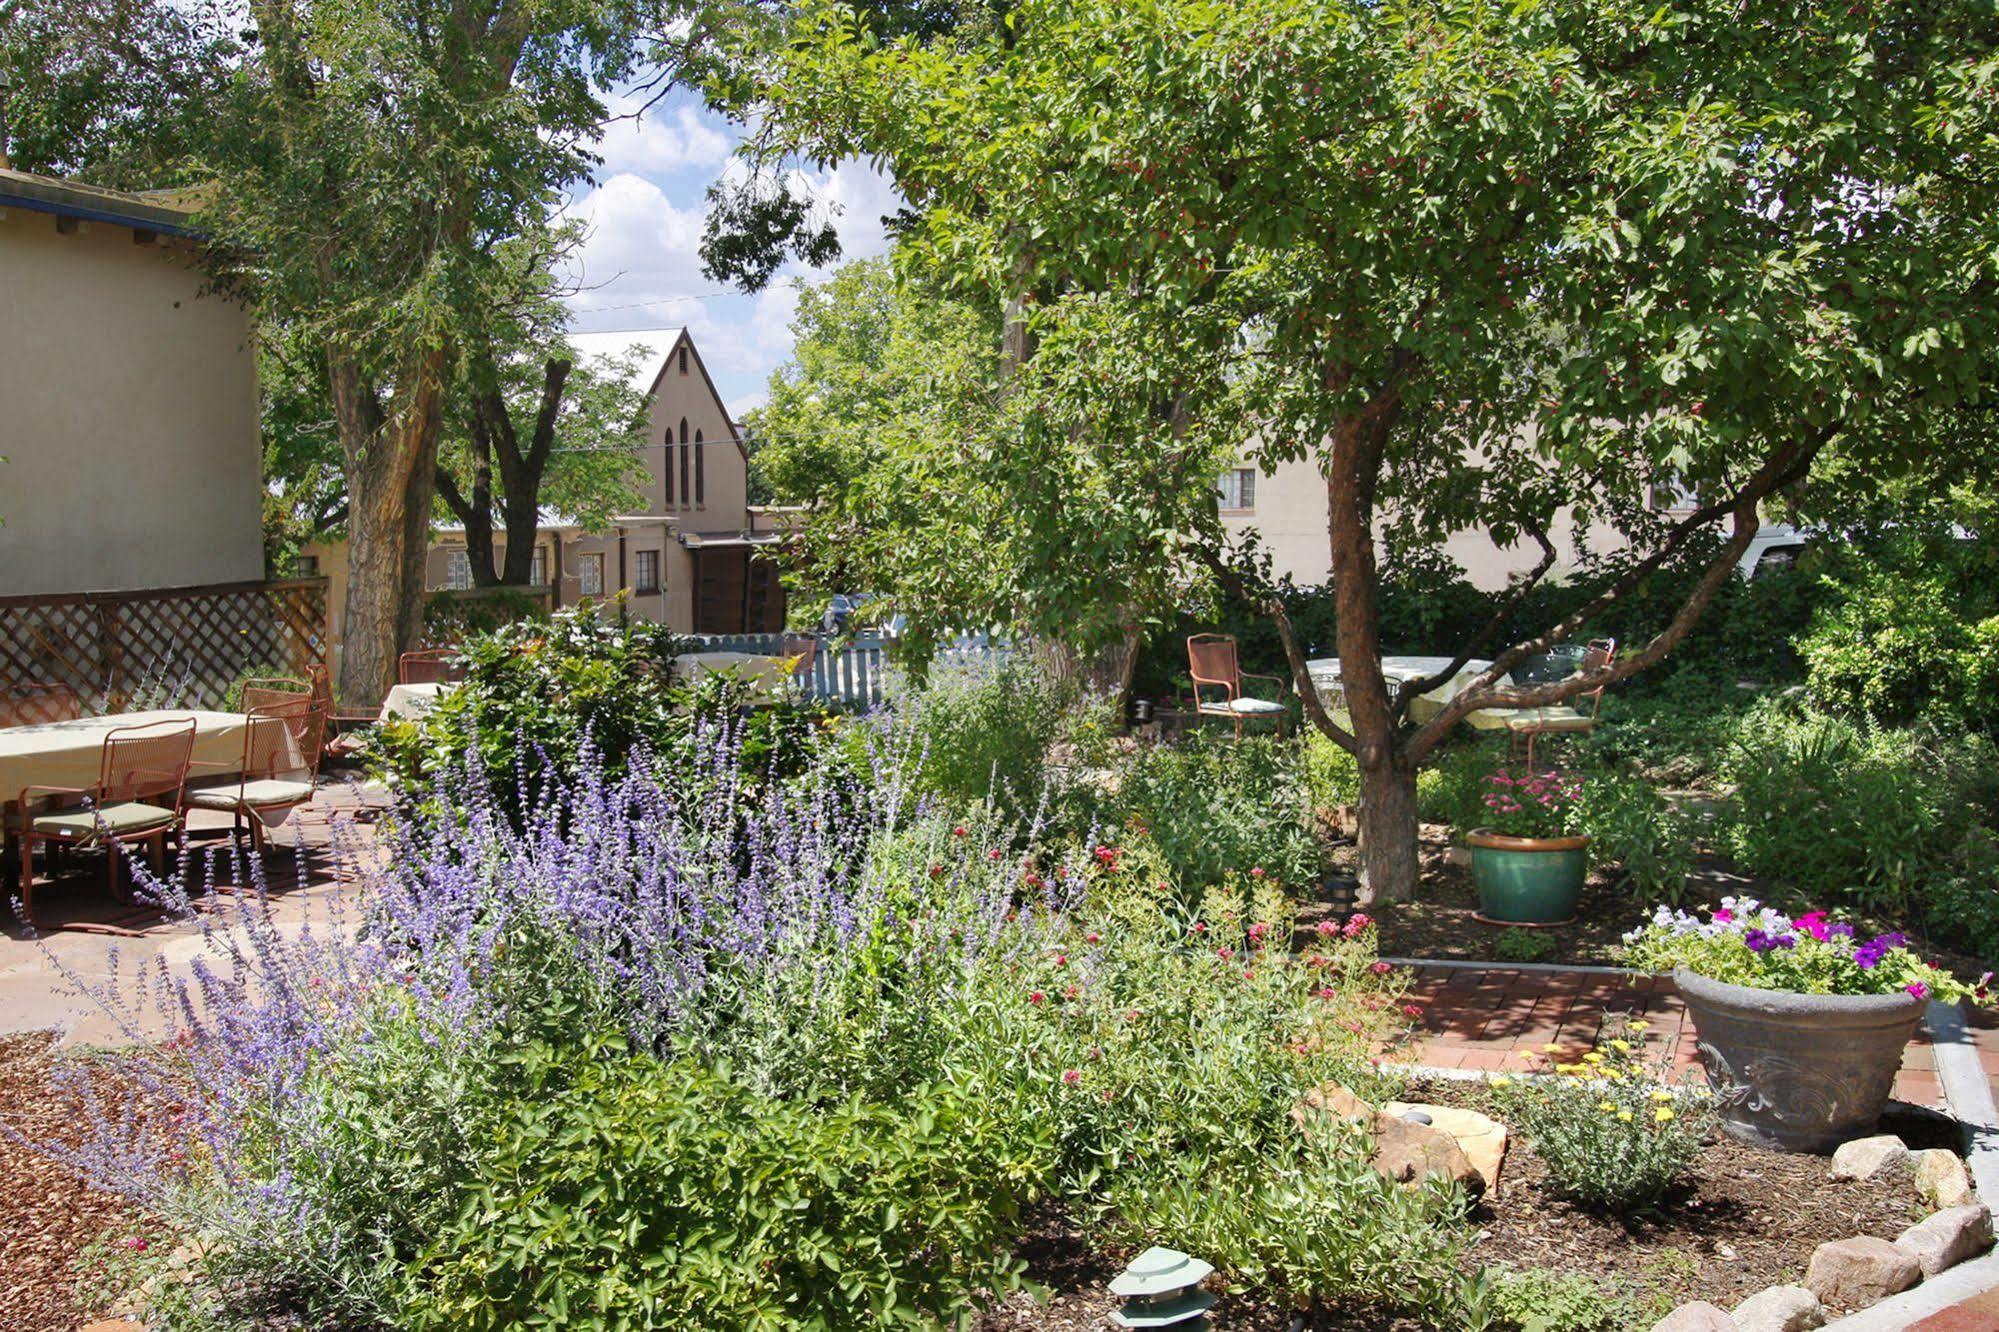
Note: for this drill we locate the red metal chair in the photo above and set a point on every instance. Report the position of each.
(1211, 660)
(1564, 718)
(430, 666)
(138, 798)
(34, 704)
(278, 772)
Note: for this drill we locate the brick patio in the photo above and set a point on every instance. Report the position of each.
(1494, 1018)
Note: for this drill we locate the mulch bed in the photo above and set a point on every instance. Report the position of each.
(1744, 1219)
(47, 1215)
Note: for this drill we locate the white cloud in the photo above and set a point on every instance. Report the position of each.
(640, 263)
(664, 139)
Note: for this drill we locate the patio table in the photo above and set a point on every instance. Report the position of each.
(412, 700)
(70, 753)
(1400, 670)
(762, 672)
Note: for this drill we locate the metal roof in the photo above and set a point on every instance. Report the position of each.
(152, 211)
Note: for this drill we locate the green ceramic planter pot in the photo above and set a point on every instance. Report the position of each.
(1528, 880)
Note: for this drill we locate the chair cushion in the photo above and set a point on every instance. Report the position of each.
(252, 795)
(1243, 707)
(121, 818)
(1555, 717)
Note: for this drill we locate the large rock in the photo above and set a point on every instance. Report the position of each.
(1481, 1138)
(1864, 1158)
(1408, 1153)
(1858, 1272)
(1700, 1316)
(1948, 1238)
(1331, 1099)
(1941, 1179)
(1779, 1309)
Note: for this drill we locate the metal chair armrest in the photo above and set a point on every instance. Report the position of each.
(1277, 680)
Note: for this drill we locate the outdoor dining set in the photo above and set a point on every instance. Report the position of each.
(1219, 689)
(123, 783)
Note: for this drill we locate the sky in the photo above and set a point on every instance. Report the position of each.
(640, 263)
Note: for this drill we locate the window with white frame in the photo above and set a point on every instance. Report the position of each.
(1238, 490)
(590, 575)
(458, 569)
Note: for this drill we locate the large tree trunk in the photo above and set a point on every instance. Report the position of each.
(391, 475)
(1388, 865)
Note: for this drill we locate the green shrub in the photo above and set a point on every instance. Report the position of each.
(1213, 804)
(1453, 789)
(983, 730)
(1637, 829)
(1963, 902)
(1611, 1133)
(1332, 776)
(627, 1193)
(1909, 629)
(1846, 813)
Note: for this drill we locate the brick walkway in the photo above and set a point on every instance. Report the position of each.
(1494, 1018)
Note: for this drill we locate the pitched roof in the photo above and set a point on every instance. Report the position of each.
(652, 347)
(155, 210)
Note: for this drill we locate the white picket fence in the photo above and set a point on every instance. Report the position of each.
(853, 674)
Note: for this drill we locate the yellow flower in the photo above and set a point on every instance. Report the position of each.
(1662, 1114)
(1622, 1047)
(1662, 1095)
(1641, 1026)
(1569, 1068)
(1502, 1081)
(1624, 1116)
(1593, 1057)
(1608, 1107)
(1551, 1048)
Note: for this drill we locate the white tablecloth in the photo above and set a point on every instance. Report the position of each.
(411, 700)
(763, 673)
(71, 753)
(1325, 672)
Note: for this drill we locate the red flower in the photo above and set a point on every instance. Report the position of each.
(1093, 937)
(1381, 968)
(1410, 1010)
(958, 831)
(994, 854)
(1325, 992)
(1072, 1076)
(1036, 997)
(936, 871)
(1256, 873)
(1327, 928)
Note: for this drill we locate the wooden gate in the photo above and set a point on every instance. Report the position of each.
(184, 645)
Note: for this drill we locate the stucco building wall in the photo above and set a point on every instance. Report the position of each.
(128, 415)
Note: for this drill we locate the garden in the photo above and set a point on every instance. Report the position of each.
(664, 1006)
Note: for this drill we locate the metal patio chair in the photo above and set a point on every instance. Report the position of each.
(138, 798)
(1564, 718)
(1211, 660)
(36, 703)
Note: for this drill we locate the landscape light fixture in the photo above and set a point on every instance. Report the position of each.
(1162, 1288)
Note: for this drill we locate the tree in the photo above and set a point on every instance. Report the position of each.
(538, 431)
(113, 92)
(1481, 264)
(370, 160)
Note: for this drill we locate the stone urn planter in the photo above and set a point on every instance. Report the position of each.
(1527, 880)
(1798, 1072)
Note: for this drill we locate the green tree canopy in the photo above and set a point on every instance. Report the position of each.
(1482, 264)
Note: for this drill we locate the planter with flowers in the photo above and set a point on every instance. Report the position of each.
(1801, 1022)
(1526, 864)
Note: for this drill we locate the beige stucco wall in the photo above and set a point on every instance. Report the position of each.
(128, 416)
(1290, 519)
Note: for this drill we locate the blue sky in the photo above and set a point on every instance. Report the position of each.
(640, 265)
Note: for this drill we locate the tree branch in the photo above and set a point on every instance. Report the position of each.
(1414, 688)
(1786, 465)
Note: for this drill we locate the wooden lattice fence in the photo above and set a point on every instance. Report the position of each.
(182, 645)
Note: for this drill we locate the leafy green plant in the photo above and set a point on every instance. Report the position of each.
(1519, 945)
(1612, 1133)
(982, 730)
(1631, 825)
(1212, 805)
(1537, 1300)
